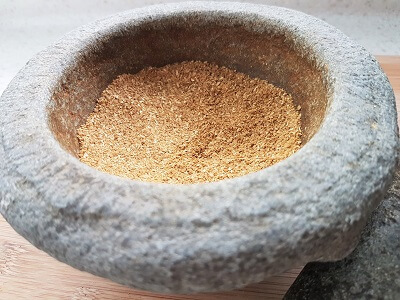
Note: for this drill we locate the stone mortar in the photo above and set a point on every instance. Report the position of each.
(211, 236)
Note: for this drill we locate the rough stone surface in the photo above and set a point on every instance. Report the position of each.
(372, 271)
(199, 237)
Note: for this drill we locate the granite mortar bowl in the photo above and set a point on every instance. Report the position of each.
(213, 236)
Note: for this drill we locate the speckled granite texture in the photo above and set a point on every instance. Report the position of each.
(200, 237)
(372, 271)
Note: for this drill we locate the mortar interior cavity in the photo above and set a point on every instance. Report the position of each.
(259, 50)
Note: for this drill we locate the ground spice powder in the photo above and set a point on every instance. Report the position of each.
(189, 122)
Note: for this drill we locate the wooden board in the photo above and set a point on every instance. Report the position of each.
(27, 273)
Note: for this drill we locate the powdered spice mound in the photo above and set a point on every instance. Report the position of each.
(189, 122)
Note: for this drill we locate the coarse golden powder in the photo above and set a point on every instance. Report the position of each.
(189, 122)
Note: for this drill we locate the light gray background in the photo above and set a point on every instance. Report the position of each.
(27, 26)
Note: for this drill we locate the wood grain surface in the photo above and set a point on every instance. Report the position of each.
(28, 273)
